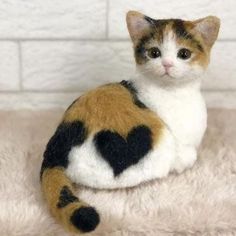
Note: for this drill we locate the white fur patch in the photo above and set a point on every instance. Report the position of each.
(87, 167)
(183, 110)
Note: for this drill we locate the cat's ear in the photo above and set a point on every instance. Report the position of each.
(208, 27)
(137, 24)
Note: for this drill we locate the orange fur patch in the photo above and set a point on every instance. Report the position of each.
(53, 180)
(111, 107)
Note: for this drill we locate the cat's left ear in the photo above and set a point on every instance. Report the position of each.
(208, 27)
(137, 24)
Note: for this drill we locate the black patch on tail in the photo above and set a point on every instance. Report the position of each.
(66, 136)
(66, 197)
(85, 219)
(129, 85)
(122, 153)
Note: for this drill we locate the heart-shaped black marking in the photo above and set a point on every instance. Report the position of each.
(121, 153)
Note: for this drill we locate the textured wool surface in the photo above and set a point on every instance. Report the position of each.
(201, 201)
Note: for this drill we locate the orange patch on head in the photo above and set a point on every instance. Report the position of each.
(200, 53)
(198, 36)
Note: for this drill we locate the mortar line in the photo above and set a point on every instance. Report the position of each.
(107, 18)
(69, 39)
(82, 91)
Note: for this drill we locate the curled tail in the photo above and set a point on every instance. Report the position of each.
(73, 214)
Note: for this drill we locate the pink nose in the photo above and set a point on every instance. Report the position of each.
(167, 63)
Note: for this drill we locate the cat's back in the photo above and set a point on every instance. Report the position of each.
(112, 107)
(111, 139)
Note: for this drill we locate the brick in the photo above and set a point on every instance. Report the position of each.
(184, 9)
(36, 101)
(78, 66)
(75, 66)
(222, 70)
(52, 19)
(9, 66)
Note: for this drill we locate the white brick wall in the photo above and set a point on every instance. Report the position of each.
(9, 66)
(188, 9)
(52, 50)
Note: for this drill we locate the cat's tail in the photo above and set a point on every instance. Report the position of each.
(73, 214)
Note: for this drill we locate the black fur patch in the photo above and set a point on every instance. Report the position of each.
(180, 30)
(121, 153)
(66, 197)
(85, 219)
(129, 85)
(150, 20)
(66, 136)
(140, 50)
(199, 46)
(156, 31)
(182, 33)
(157, 24)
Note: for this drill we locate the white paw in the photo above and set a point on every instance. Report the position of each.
(186, 157)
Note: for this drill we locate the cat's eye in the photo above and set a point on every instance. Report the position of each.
(184, 53)
(154, 52)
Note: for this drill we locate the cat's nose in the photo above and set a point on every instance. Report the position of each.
(167, 63)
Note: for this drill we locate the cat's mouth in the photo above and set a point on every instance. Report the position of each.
(166, 74)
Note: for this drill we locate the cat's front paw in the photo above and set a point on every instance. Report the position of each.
(185, 159)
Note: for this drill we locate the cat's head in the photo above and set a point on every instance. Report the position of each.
(172, 49)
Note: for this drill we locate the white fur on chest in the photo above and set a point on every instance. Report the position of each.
(182, 109)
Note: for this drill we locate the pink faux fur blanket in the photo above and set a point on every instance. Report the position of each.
(201, 201)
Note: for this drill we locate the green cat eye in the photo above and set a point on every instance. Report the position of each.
(154, 52)
(184, 53)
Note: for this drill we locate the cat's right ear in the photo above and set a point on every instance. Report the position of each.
(137, 25)
(208, 27)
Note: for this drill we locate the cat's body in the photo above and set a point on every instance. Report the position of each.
(122, 134)
(125, 154)
(183, 114)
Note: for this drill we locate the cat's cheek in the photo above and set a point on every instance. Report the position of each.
(177, 74)
(157, 68)
(152, 68)
(159, 71)
(179, 71)
(197, 70)
(185, 70)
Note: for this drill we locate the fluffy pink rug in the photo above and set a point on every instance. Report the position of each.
(201, 201)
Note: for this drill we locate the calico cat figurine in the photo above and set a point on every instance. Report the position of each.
(122, 134)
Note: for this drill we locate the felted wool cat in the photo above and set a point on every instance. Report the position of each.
(122, 134)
